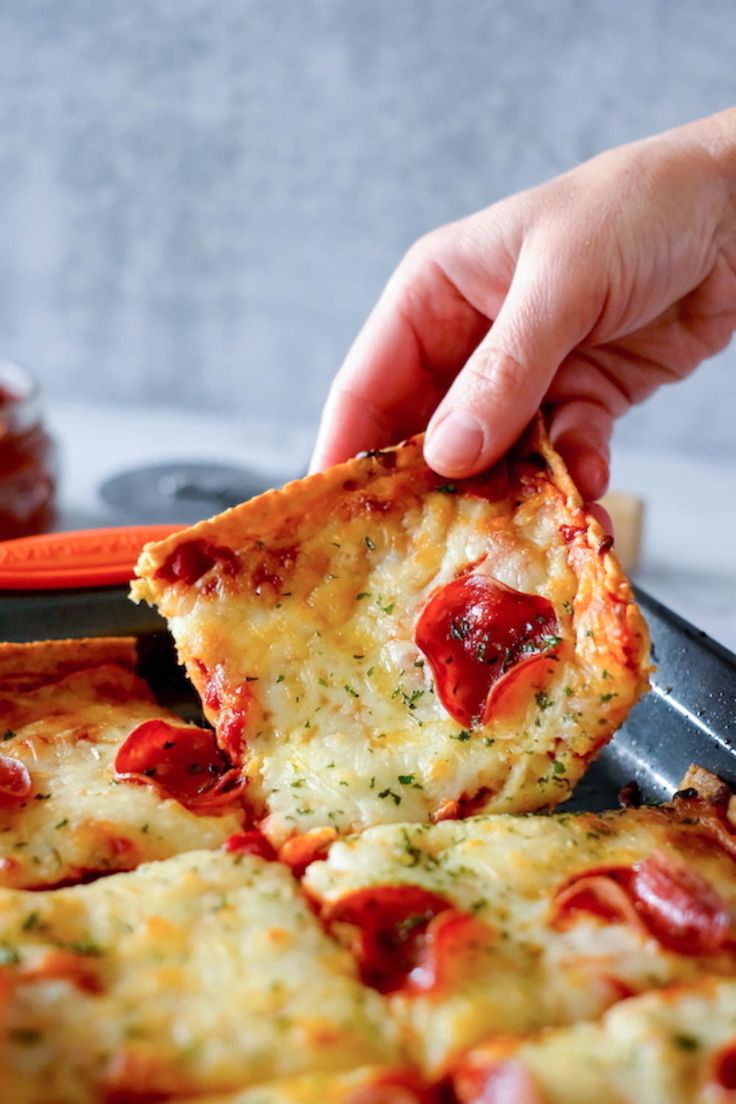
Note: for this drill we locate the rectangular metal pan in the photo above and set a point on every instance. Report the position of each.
(688, 716)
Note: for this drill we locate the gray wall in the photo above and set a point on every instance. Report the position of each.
(200, 199)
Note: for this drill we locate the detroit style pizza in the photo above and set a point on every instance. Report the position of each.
(337, 895)
(374, 644)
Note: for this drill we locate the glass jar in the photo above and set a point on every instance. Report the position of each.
(28, 457)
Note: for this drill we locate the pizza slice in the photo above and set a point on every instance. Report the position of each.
(511, 924)
(94, 775)
(376, 644)
(677, 1046)
(207, 972)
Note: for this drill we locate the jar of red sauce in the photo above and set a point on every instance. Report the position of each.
(28, 458)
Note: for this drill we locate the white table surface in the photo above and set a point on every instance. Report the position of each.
(688, 559)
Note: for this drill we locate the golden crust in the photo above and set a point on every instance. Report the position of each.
(708, 786)
(25, 665)
(274, 597)
(275, 511)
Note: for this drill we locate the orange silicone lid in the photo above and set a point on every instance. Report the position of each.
(85, 558)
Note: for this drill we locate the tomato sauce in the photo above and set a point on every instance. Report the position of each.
(27, 458)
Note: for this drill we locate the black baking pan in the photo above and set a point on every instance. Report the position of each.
(688, 716)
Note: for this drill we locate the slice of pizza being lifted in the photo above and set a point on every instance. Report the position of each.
(376, 644)
(95, 776)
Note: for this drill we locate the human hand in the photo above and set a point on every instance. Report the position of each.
(582, 295)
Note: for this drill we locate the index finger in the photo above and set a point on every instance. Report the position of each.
(417, 338)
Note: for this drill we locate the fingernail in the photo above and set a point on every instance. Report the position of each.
(455, 443)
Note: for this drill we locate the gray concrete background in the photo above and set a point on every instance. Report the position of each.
(200, 199)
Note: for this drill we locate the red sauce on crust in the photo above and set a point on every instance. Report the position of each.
(251, 842)
(192, 559)
(15, 781)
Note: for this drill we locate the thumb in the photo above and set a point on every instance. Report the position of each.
(545, 314)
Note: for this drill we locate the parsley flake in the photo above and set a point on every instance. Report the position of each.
(390, 793)
(8, 955)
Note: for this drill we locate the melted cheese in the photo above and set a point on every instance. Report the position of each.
(80, 818)
(309, 615)
(203, 973)
(659, 1049)
(506, 870)
(370, 1085)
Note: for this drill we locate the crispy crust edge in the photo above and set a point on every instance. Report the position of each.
(49, 660)
(268, 510)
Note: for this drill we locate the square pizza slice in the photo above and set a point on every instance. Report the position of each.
(94, 775)
(507, 923)
(676, 1046)
(376, 644)
(203, 973)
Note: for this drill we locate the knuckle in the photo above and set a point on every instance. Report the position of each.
(420, 252)
(492, 368)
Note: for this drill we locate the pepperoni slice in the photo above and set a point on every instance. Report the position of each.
(65, 965)
(679, 906)
(252, 842)
(192, 559)
(447, 943)
(501, 1082)
(661, 895)
(476, 634)
(180, 761)
(391, 1087)
(15, 780)
(600, 894)
(406, 938)
(723, 1072)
